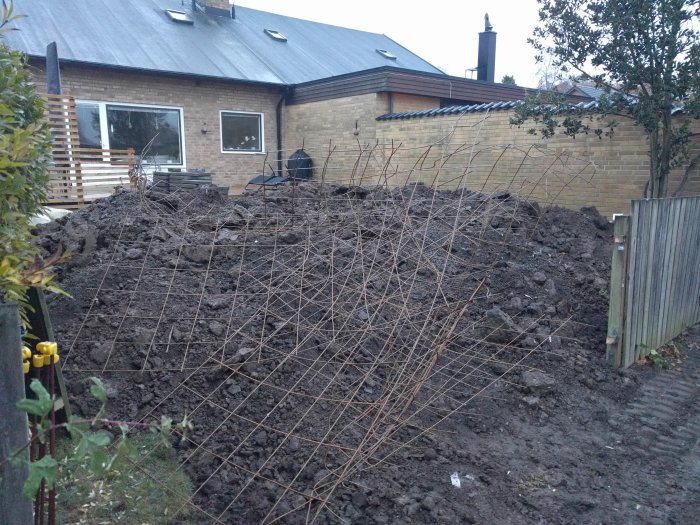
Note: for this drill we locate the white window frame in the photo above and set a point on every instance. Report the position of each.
(104, 128)
(241, 152)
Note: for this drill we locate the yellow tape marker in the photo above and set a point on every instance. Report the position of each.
(25, 366)
(26, 353)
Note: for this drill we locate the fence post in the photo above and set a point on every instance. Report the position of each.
(617, 292)
(14, 432)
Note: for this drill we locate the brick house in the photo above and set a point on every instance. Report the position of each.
(229, 89)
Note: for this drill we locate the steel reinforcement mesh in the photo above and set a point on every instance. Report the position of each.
(312, 334)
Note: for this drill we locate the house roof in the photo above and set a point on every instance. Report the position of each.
(587, 91)
(139, 35)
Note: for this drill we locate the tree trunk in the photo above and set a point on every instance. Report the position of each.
(664, 168)
(692, 166)
(653, 164)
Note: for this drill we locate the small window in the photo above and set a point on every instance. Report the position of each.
(242, 132)
(386, 54)
(275, 35)
(179, 16)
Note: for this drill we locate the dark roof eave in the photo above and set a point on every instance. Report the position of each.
(400, 80)
(279, 85)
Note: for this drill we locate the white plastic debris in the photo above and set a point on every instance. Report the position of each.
(48, 214)
(456, 482)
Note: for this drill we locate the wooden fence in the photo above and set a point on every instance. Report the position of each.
(655, 278)
(80, 175)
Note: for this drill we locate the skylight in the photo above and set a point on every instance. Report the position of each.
(275, 35)
(179, 16)
(386, 54)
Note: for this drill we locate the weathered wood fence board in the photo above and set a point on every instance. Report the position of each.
(655, 277)
(79, 175)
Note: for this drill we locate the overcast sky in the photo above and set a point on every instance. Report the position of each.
(443, 32)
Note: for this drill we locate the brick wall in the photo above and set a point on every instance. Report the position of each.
(483, 152)
(201, 102)
(479, 151)
(402, 102)
(340, 134)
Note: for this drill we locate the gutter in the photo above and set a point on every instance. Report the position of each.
(278, 116)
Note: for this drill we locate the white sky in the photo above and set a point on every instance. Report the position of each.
(443, 32)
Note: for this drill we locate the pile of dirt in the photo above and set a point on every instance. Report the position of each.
(345, 354)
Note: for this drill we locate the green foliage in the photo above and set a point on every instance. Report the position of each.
(657, 358)
(39, 406)
(44, 469)
(508, 79)
(151, 493)
(24, 155)
(91, 466)
(645, 54)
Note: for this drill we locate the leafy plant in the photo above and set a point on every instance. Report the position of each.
(644, 54)
(25, 145)
(657, 358)
(92, 451)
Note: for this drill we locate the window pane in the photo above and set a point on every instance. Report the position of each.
(241, 132)
(131, 127)
(89, 125)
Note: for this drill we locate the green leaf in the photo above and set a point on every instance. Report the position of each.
(99, 461)
(40, 406)
(43, 469)
(97, 390)
(90, 443)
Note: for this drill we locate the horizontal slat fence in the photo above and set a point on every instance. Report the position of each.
(77, 175)
(655, 278)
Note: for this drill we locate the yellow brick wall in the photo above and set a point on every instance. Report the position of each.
(340, 134)
(201, 102)
(483, 152)
(402, 102)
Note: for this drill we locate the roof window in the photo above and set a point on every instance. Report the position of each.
(179, 16)
(276, 35)
(386, 54)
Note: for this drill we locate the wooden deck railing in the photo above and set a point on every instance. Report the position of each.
(80, 175)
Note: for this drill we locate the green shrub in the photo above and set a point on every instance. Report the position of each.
(25, 144)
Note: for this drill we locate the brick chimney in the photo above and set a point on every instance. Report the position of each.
(216, 7)
(486, 66)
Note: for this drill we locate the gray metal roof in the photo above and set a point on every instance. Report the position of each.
(137, 34)
(589, 91)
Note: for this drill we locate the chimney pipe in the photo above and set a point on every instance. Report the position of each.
(486, 65)
(217, 8)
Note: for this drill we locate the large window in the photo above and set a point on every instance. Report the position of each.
(155, 133)
(242, 132)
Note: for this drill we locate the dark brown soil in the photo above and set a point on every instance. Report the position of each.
(350, 355)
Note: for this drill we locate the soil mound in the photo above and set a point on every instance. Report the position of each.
(323, 339)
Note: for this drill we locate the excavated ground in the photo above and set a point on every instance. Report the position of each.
(375, 356)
